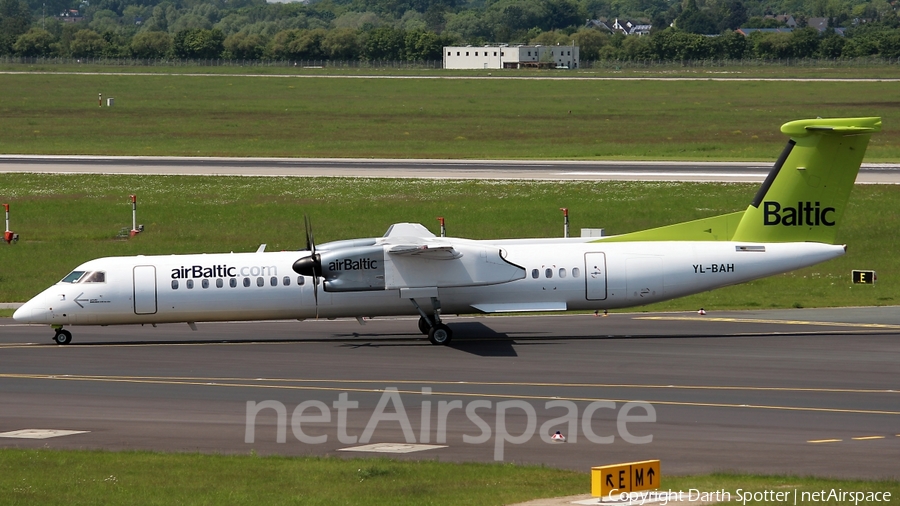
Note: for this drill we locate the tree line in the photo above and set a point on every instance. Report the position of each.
(415, 30)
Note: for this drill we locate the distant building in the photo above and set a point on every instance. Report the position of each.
(625, 27)
(70, 16)
(510, 57)
(821, 24)
(787, 19)
(631, 28)
(598, 24)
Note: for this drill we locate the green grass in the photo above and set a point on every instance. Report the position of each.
(235, 115)
(48, 477)
(64, 220)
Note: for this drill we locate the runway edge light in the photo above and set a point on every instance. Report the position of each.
(629, 477)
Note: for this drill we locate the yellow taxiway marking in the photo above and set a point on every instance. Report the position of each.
(762, 320)
(866, 438)
(228, 383)
(491, 383)
(825, 441)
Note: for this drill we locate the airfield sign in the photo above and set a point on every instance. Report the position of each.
(630, 477)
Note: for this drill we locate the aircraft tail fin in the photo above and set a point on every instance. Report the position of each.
(804, 197)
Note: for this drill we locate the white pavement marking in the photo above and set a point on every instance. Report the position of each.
(391, 448)
(40, 433)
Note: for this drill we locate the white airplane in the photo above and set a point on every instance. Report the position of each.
(409, 271)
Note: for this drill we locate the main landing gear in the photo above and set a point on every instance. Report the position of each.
(437, 332)
(62, 336)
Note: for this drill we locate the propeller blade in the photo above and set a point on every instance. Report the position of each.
(311, 265)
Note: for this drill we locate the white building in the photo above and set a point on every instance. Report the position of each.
(510, 57)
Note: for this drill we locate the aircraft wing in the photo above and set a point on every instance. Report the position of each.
(430, 251)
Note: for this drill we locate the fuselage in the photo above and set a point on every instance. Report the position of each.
(553, 275)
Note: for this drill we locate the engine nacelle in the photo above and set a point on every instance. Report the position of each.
(353, 269)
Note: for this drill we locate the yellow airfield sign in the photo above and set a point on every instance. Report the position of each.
(630, 477)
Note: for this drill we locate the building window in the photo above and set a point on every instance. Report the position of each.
(204, 283)
(495, 53)
(232, 282)
(568, 53)
(189, 283)
(535, 273)
(502, 53)
(448, 53)
(548, 273)
(529, 53)
(476, 53)
(174, 284)
(246, 282)
(457, 53)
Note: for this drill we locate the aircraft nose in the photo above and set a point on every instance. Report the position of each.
(23, 314)
(29, 313)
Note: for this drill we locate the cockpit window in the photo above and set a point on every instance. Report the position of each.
(73, 277)
(95, 277)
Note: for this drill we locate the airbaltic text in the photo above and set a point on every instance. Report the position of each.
(805, 214)
(222, 271)
(353, 265)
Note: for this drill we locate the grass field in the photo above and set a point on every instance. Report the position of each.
(65, 220)
(49, 477)
(237, 115)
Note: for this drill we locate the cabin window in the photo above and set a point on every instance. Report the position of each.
(260, 281)
(73, 277)
(219, 283)
(246, 282)
(95, 277)
(300, 280)
(189, 283)
(562, 272)
(232, 282)
(535, 273)
(576, 272)
(548, 273)
(273, 281)
(174, 284)
(286, 281)
(204, 283)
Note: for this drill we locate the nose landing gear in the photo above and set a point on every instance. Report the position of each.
(62, 336)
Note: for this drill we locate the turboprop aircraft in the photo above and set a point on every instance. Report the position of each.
(790, 224)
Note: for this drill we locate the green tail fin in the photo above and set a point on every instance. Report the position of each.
(805, 195)
(802, 199)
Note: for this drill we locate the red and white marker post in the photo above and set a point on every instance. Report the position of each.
(8, 235)
(134, 229)
(443, 228)
(565, 211)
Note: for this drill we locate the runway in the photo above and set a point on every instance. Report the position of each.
(805, 392)
(753, 172)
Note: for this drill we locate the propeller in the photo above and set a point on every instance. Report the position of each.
(311, 265)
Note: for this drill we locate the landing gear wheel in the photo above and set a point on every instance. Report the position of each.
(63, 337)
(424, 326)
(440, 334)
